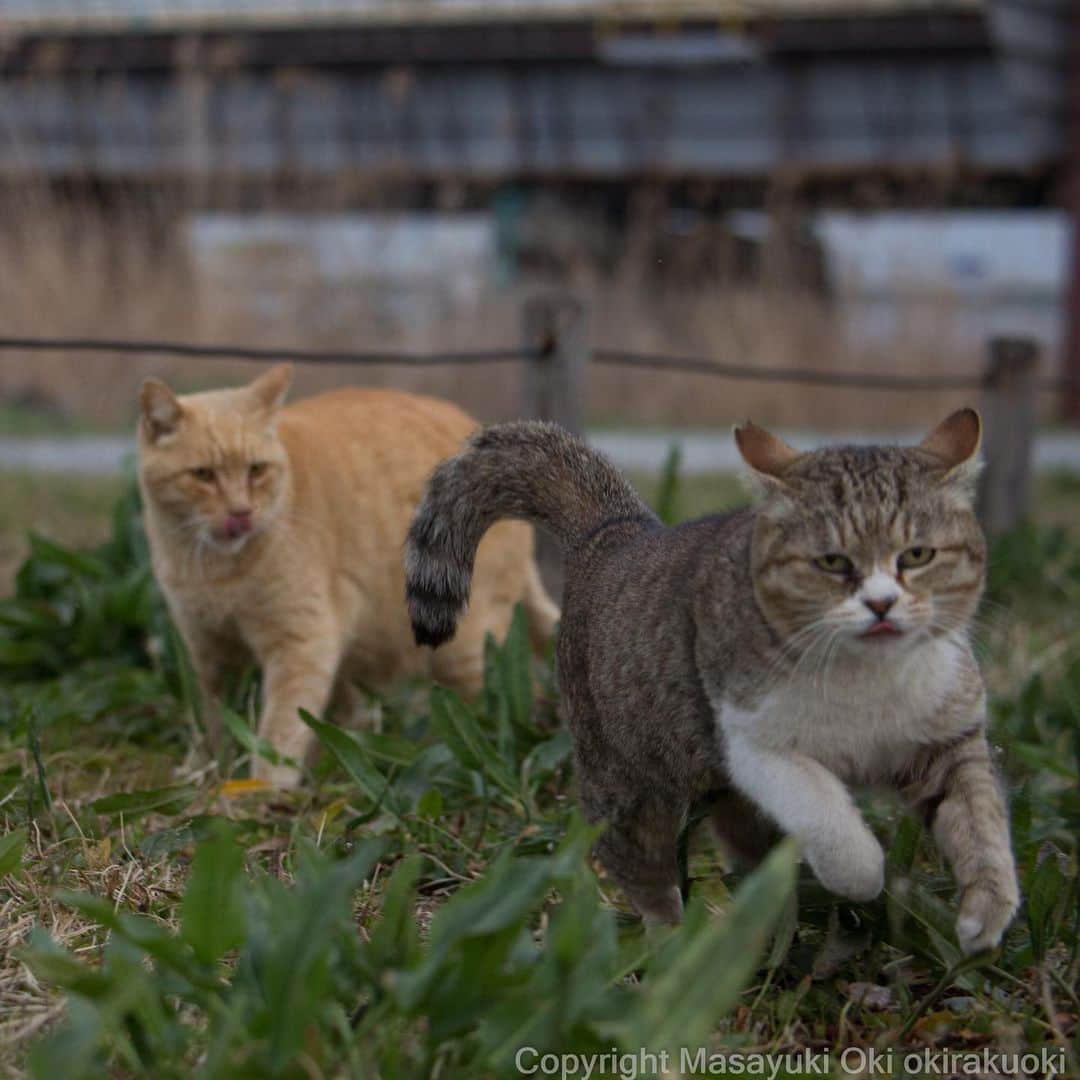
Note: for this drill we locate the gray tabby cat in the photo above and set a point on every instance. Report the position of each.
(764, 659)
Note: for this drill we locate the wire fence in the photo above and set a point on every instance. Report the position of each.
(556, 355)
(662, 362)
(248, 352)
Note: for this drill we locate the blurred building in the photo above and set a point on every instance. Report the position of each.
(359, 99)
(967, 276)
(418, 151)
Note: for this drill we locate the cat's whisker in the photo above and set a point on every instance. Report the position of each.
(823, 632)
(826, 667)
(796, 648)
(820, 656)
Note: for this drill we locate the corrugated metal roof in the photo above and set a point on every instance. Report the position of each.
(133, 14)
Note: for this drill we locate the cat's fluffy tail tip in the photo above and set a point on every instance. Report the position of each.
(423, 634)
(434, 617)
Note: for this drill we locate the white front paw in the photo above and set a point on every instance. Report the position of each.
(851, 865)
(986, 909)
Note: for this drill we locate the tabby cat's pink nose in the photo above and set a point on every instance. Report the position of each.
(880, 606)
(237, 525)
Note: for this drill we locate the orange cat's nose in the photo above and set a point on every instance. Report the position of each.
(238, 524)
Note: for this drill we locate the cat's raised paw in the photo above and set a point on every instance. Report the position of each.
(986, 909)
(853, 867)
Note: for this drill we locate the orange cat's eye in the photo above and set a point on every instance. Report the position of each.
(257, 469)
(205, 475)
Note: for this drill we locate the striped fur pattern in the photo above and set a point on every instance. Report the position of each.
(760, 665)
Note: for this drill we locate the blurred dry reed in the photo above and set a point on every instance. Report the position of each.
(124, 271)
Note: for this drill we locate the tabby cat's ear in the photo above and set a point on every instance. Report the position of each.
(269, 389)
(955, 444)
(767, 455)
(956, 439)
(161, 409)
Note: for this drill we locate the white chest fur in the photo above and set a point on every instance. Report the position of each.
(864, 717)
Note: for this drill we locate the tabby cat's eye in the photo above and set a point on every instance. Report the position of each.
(834, 564)
(916, 556)
(204, 475)
(256, 469)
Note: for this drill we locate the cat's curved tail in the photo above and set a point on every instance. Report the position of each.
(528, 469)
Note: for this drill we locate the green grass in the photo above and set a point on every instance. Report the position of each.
(71, 509)
(43, 420)
(424, 906)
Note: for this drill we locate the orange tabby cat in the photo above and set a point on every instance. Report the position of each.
(277, 533)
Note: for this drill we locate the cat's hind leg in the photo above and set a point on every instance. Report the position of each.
(212, 657)
(459, 664)
(740, 828)
(346, 702)
(639, 849)
(460, 667)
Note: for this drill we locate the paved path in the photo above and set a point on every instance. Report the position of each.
(702, 451)
(714, 451)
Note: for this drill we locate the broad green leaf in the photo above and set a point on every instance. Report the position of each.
(508, 689)
(144, 933)
(458, 728)
(786, 926)
(185, 675)
(71, 1050)
(212, 913)
(430, 805)
(434, 767)
(84, 564)
(57, 966)
(1045, 888)
(1045, 757)
(394, 939)
(494, 908)
(666, 500)
(27, 654)
(28, 616)
(905, 845)
(353, 758)
(546, 757)
(294, 963)
(571, 989)
(11, 850)
(698, 976)
(166, 800)
(255, 744)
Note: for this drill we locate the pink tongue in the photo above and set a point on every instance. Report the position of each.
(237, 525)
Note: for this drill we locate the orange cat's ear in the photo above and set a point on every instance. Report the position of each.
(161, 409)
(956, 440)
(269, 389)
(765, 453)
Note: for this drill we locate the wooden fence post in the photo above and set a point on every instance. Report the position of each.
(1009, 418)
(554, 384)
(553, 388)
